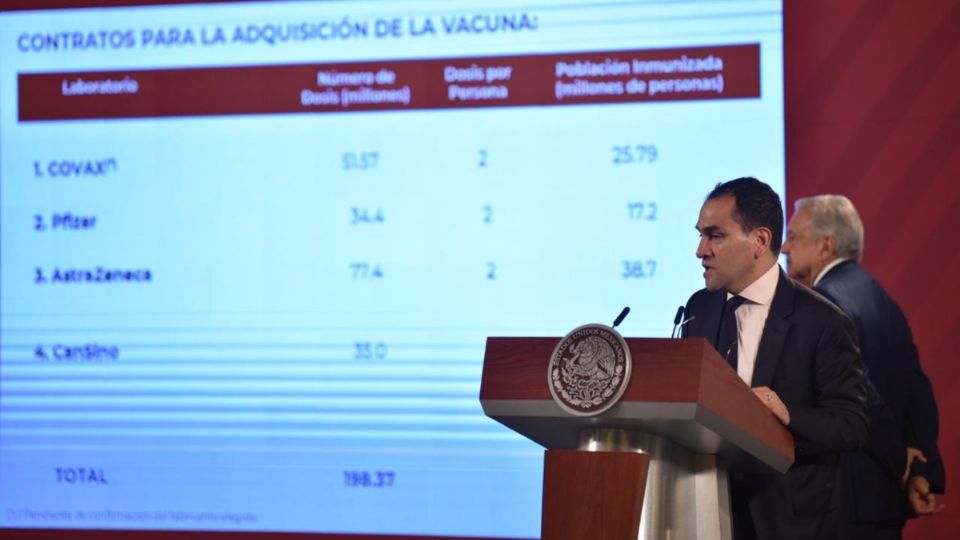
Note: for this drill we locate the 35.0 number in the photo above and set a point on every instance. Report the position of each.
(369, 350)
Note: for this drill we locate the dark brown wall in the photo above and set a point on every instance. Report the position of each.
(873, 112)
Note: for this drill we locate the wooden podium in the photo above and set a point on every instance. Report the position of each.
(655, 464)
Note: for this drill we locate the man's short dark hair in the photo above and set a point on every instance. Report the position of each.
(756, 205)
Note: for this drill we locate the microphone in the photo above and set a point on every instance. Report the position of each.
(676, 321)
(684, 323)
(621, 317)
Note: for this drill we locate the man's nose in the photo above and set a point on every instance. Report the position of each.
(701, 249)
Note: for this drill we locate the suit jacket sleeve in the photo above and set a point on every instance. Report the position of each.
(837, 417)
(924, 423)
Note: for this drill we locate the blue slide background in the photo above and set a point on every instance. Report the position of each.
(307, 353)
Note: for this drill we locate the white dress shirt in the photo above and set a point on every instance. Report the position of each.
(751, 316)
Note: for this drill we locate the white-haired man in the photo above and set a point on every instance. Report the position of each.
(824, 246)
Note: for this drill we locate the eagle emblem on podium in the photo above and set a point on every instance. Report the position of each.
(589, 370)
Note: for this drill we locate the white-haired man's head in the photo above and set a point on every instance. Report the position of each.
(823, 228)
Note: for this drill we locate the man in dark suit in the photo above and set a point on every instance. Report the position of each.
(824, 246)
(796, 351)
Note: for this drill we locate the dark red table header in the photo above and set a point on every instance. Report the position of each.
(721, 72)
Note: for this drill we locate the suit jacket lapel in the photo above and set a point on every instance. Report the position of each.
(775, 331)
(713, 316)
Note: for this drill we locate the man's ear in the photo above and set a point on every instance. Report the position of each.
(826, 247)
(762, 237)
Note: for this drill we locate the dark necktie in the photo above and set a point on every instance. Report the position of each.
(727, 338)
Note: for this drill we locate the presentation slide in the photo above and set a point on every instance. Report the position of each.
(250, 253)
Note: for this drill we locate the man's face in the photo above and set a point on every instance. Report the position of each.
(804, 252)
(728, 253)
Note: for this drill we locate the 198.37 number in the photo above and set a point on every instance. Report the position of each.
(369, 479)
